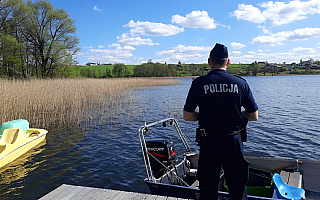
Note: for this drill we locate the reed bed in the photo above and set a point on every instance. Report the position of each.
(59, 102)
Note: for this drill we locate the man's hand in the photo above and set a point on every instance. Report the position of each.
(190, 116)
(250, 116)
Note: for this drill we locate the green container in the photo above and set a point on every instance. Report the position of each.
(19, 123)
(261, 191)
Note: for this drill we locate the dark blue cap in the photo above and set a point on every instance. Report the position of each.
(219, 52)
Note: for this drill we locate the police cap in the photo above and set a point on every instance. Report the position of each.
(219, 52)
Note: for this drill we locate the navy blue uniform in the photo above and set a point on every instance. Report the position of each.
(220, 97)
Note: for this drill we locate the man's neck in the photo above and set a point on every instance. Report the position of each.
(217, 67)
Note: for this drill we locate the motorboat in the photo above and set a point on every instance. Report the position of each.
(17, 138)
(172, 171)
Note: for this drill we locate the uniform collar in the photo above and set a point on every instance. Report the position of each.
(217, 71)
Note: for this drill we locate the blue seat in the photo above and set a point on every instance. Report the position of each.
(287, 191)
(18, 123)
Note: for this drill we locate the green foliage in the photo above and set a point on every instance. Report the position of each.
(11, 56)
(120, 70)
(154, 70)
(42, 39)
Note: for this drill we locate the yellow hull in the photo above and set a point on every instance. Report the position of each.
(14, 143)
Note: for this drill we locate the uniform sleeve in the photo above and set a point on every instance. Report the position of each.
(191, 102)
(249, 102)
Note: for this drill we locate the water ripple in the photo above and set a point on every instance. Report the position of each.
(108, 155)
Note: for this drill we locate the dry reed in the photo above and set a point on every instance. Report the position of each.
(59, 102)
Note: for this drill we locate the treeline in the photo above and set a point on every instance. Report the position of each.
(167, 70)
(36, 40)
(121, 70)
(154, 70)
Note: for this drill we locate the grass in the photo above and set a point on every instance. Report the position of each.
(75, 70)
(57, 102)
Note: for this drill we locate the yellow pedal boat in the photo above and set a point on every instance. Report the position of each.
(17, 138)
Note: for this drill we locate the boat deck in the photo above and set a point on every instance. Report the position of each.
(69, 192)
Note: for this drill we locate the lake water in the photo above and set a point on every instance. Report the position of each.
(108, 155)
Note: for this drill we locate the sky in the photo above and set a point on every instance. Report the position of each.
(168, 31)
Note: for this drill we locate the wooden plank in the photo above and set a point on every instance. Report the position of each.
(62, 192)
(172, 198)
(125, 195)
(112, 194)
(161, 198)
(71, 192)
(151, 197)
(53, 193)
(95, 194)
(141, 196)
(83, 192)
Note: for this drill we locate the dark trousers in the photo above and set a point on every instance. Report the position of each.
(225, 151)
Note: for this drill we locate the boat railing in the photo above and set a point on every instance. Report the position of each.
(174, 172)
(144, 129)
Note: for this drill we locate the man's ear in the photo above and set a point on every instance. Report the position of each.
(228, 62)
(209, 61)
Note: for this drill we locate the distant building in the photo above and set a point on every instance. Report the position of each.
(307, 63)
(91, 63)
(290, 66)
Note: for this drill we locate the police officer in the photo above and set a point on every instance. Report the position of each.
(220, 98)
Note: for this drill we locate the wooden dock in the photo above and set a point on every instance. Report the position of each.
(67, 192)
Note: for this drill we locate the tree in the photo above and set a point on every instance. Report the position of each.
(154, 70)
(12, 51)
(108, 73)
(35, 39)
(120, 70)
(254, 68)
(50, 36)
(11, 60)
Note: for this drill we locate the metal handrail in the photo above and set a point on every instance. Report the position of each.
(145, 152)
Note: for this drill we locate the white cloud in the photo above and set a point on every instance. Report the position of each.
(100, 47)
(175, 58)
(235, 53)
(134, 41)
(264, 29)
(95, 8)
(249, 13)
(293, 55)
(185, 53)
(304, 51)
(195, 19)
(182, 49)
(236, 45)
(151, 28)
(114, 54)
(273, 40)
(278, 13)
(278, 38)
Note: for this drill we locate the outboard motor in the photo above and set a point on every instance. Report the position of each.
(163, 151)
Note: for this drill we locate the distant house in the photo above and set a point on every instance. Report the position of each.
(307, 63)
(91, 63)
(290, 66)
